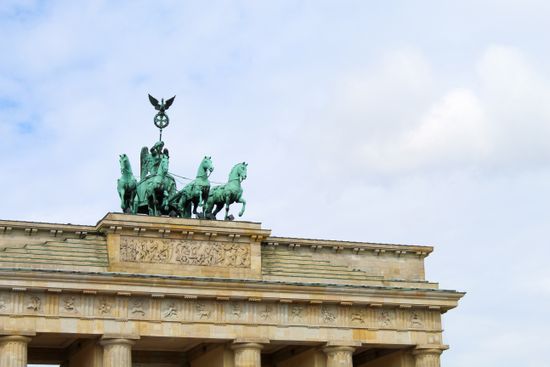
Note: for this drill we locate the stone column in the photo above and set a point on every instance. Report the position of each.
(428, 356)
(339, 356)
(13, 351)
(117, 352)
(247, 354)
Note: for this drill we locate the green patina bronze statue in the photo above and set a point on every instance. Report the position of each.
(126, 185)
(195, 193)
(153, 192)
(156, 194)
(227, 194)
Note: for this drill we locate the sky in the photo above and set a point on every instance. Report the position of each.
(415, 122)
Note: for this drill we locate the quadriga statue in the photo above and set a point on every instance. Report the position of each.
(156, 193)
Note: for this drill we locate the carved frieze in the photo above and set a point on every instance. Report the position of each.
(214, 311)
(184, 252)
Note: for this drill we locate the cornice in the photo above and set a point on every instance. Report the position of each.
(181, 227)
(336, 245)
(234, 288)
(55, 229)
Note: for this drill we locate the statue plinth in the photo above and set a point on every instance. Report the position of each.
(183, 247)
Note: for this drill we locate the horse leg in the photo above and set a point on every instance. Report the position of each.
(203, 200)
(242, 201)
(131, 203)
(181, 206)
(227, 203)
(187, 210)
(207, 208)
(153, 203)
(216, 210)
(122, 197)
(127, 200)
(150, 204)
(194, 205)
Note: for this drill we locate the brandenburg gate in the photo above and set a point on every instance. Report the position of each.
(165, 285)
(137, 290)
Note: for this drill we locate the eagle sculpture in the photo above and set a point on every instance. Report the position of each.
(162, 106)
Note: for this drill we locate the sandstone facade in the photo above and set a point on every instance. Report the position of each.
(155, 291)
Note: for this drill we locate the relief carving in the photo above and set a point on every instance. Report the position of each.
(170, 311)
(184, 252)
(202, 311)
(296, 312)
(69, 303)
(104, 307)
(205, 310)
(416, 320)
(236, 310)
(265, 313)
(136, 307)
(385, 318)
(327, 315)
(357, 316)
(34, 303)
(144, 250)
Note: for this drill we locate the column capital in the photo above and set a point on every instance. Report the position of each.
(338, 348)
(339, 355)
(435, 349)
(246, 345)
(117, 341)
(14, 338)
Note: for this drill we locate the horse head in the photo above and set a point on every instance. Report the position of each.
(163, 166)
(206, 167)
(125, 167)
(238, 172)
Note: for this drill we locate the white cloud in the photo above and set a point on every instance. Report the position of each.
(453, 132)
(501, 122)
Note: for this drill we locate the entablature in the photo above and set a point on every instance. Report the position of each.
(231, 289)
